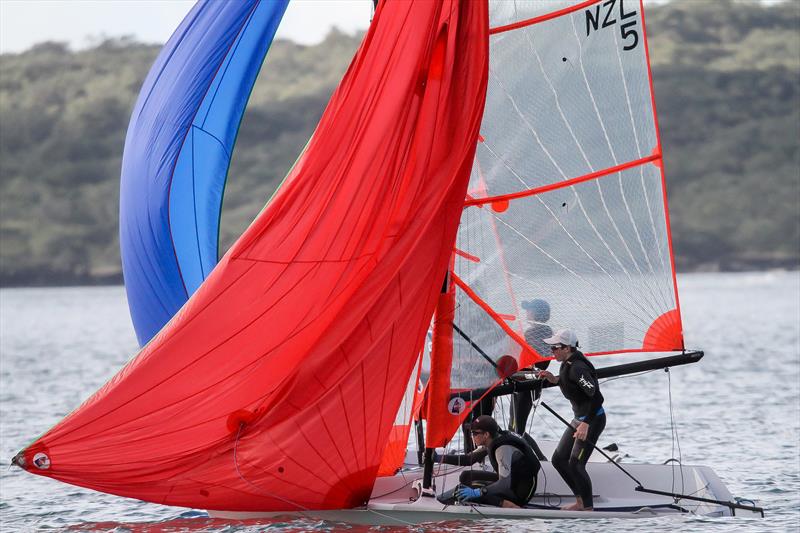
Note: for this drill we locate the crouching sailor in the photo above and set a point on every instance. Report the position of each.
(515, 467)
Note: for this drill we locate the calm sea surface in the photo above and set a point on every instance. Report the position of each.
(737, 411)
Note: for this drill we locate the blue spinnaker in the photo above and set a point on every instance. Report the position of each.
(178, 149)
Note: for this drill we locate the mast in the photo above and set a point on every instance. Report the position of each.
(439, 380)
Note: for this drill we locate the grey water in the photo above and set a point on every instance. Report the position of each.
(737, 411)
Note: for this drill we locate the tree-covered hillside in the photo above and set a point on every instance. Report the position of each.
(727, 82)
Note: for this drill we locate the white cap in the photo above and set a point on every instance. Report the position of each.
(563, 336)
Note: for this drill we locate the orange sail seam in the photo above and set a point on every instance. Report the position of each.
(527, 353)
(563, 184)
(542, 18)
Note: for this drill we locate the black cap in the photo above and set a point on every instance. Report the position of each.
(485, 423)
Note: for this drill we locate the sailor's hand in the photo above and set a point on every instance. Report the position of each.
(544, 374)
(581, 431)
(467, 493)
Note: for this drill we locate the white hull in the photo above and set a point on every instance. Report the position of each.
(395, 500)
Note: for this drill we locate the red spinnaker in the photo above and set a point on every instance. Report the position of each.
(276, 386)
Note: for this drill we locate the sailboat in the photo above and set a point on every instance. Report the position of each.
(475, 153)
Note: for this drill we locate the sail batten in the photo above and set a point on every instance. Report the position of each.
(543, 18)
(483, 200)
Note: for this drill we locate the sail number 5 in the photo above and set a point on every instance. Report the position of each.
(608, 14)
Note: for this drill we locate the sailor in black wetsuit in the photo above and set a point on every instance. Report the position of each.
(577, 380)
(511, 457)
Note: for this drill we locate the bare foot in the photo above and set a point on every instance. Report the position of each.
(572, 507)
(510, 505)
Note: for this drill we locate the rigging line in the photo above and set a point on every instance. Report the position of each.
(475, 508)
(675, 427)
(572, 237)
(563, 175)
(604, 454)
(704, 487)
(390, 517)
(575, 274)
(474, 345)
(473, 296)
(544, 494)
(672, 436)
(608, 142)
(629, 375)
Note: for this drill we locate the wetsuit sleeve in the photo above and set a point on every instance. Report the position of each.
(581, 375)
(464, 459)
(501, 488)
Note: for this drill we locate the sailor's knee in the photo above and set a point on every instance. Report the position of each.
(574, 462)
(559, 463)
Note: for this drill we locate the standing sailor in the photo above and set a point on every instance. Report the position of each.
(577, 380)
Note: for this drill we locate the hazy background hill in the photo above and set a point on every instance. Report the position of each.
(727, 81)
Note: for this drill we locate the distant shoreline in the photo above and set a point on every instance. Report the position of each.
(43, 280)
